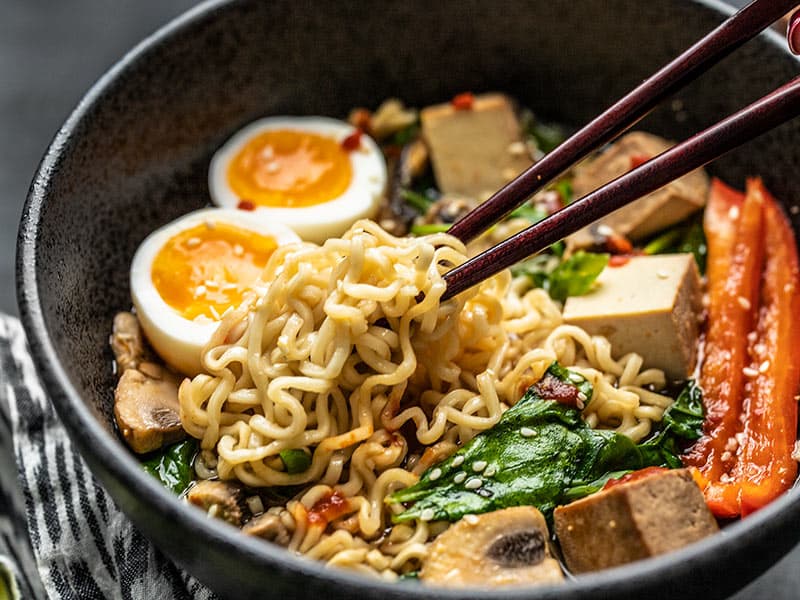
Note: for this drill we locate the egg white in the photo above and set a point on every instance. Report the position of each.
(180, 341)
(318, 222)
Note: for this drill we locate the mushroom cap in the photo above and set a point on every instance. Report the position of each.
(224, 498)
(500, 548)
(146, 407)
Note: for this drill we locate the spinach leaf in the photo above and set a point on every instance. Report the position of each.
(575, 276)
(295, 460)
(541, 453)
(572, 277)
(683, 420)
(429, 228)
(687, 237)
(172, 465)
(530, 212)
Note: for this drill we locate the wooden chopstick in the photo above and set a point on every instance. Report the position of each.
(723, 40)
(770, 111)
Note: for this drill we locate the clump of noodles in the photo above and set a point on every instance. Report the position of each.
(347, 353)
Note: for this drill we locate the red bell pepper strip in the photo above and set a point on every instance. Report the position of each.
(766, 468)
(735, 233)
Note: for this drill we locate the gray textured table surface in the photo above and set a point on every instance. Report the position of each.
(50, 53)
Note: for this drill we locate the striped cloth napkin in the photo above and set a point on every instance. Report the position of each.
(81, 545)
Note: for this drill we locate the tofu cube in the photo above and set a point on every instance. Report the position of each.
(656, 211)
(632, 521)
(475, 151)
(650, 305)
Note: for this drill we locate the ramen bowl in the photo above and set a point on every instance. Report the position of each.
(135, 153)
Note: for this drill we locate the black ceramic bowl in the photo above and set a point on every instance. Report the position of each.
(134, 155)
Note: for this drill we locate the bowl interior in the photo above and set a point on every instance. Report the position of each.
(135, 153)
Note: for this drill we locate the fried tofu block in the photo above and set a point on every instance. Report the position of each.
(651, 305)
(664, 207)
(475, 151)
(632, 521)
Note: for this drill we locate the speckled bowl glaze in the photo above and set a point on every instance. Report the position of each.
(134, 155)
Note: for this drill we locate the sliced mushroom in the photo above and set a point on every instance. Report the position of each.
(221, 499)
(396, 215)
(505, 547)
(146, 407)
(269, 527)
(127, 342)
(449, 209)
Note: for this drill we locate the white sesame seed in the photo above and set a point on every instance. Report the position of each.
(750, 372)
(211, 284)
(210, 224)
(200, 290)
(427, 514)
(238, 249)
(435, 474)
(739, 438)
(744, 302)
(193, 242)
(751, 337)
(731, 444)
(662, 274)
(473, 484)
(490, 471)
(787, 288)
(604, 230)
(471, 519)
(733, 213)
(479, 465)
(527, 432)
(273, 167)
(726, 456)
(458, 460)
(763, 367)
(575, 377)
(460, 477)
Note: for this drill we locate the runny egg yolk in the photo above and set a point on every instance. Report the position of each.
(288, 169)
(207, 269)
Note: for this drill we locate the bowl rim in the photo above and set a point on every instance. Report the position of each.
(93, 439)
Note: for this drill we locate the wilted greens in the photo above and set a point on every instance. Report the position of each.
(172, 465)
(542, 454)
(571, 277)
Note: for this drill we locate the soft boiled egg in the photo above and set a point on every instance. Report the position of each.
(316, 175)
(185, 276)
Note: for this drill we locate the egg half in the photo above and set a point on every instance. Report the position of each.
(316, 175)
(185, 275)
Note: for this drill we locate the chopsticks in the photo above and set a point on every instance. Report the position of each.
(768, 112)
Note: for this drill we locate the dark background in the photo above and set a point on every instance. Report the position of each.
(51, 51)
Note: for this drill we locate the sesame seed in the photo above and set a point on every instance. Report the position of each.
(427, 514)
(193, 242)
(751, 337)
(479, 465)
(273, 167)
(473, 484)
(787, 288)
(575, 377)
(458, 460)
(733, 213)
(731, 444)
(200, 290)
(490, 471)
(238, 249)
(527, 432)
(749, 372)
(726, 456)
(763, 367)
(435, 474)
(604, 230)
(460, 477)
(210, 224)
(662, 274)
(471, 519)
(744, 302)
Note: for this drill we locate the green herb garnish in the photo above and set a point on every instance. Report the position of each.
(295, 460)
